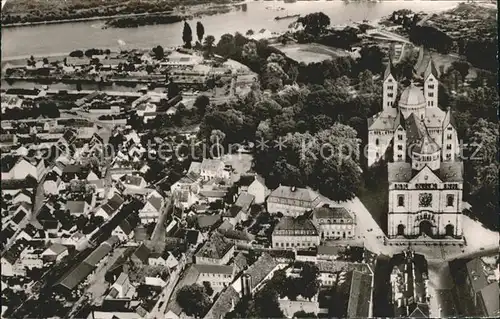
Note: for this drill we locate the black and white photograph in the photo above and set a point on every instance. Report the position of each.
(231, 159)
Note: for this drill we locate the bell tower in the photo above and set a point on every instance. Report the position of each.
(390, 88)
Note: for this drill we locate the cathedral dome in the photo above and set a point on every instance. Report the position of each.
(412, 97)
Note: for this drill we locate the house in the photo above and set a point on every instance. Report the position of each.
(31, 256)
(11, 264)
(141, 255)
(188, 182)
(153, 208)
(217, 250)
(55, 252)
(207, 222)
(219, 276)
(18, 168)
(123, 231)
(213, 168)
(334, 222)
(483, 292)
(234, 215)
(121, 288)
(51, 183)
(22, 196)
(155, 282)
(46, 218)
(111, 207)
(212, 195)
(355, 294)
(254, 185)
(292, 201)
(78, 207)
(133, 182)
(295, 233)
(145, 108)
(237, 236)
(20, 214)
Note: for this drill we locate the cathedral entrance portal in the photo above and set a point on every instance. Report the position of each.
(449, 230)
(425, 228)
(401, 230)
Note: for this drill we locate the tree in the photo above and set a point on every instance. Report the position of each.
(159, 52)
(462, 67)
(209, 43)
(187, 35)
(208, 288)
(172, 90)
(76, 54)
(200, 30)
(45, 61)
(193, 300)
(216, 137)
(315, 23)
(309, 277)
(201, 103)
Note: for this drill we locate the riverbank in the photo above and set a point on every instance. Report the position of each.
(43, 40)
(107, 12)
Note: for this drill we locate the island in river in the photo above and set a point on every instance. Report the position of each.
(27, 12)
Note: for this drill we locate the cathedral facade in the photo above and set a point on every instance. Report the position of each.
(420, 143)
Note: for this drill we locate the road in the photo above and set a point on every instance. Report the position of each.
(159, 311)
(97, 284)
(442, 303)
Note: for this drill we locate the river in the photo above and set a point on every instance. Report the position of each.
(21, 42)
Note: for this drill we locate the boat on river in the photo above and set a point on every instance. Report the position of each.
(287, 17)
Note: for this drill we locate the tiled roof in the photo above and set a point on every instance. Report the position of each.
(360, 293)
(451, 171)
(383, 120)
(223, 304)
(296, 226)
(142, 253)
(205, 221)
(71, 279)
(75, 207)
(215, 247)
(331, 212)
(260, 269)
(415, 128)
(490, 294)
(434, 117)
(233, 211)
(245, 200)
(58, 248)
(475, 271)
(399, 172)
(156, 202)
(296, 193)
(115, 202)
(237, 234)
(132, 180)
(97, 255)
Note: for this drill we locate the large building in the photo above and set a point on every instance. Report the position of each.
(292, 201)
(419, 140)
(295, 233)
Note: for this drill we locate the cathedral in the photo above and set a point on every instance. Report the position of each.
(419, 142)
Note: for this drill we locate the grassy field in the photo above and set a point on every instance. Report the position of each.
(311, 52)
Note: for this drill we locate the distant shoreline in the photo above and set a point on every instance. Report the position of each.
(193, 9)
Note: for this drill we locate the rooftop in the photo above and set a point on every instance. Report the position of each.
(296, 193)
(215, 247)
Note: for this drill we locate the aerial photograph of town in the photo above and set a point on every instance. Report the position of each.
(226, 159)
